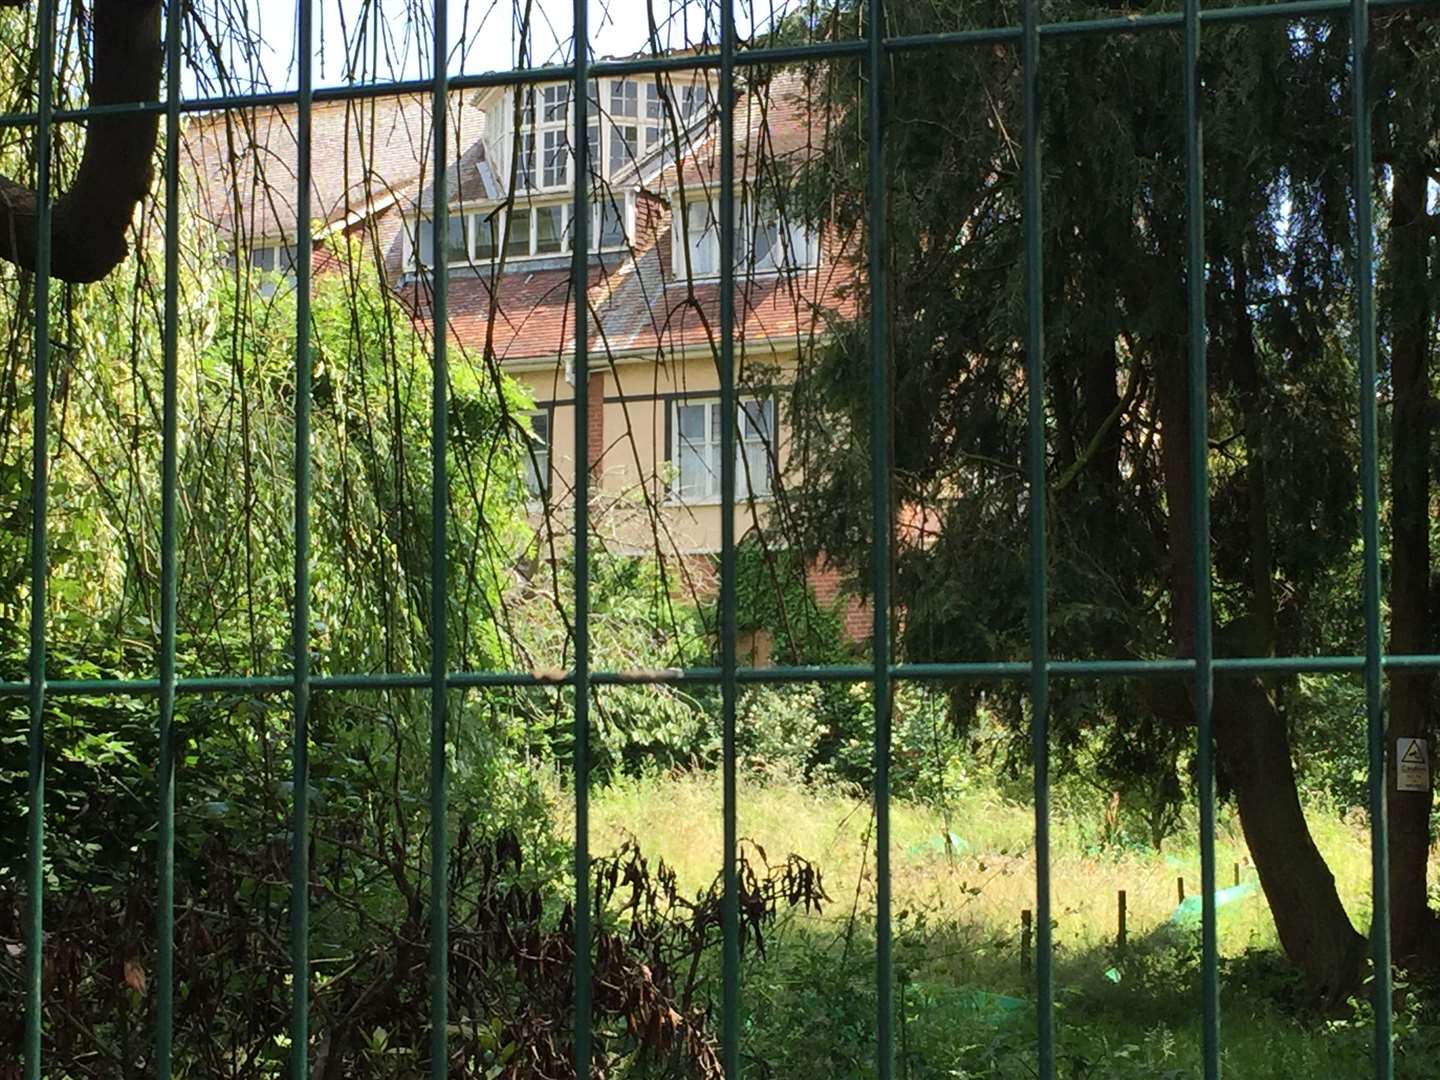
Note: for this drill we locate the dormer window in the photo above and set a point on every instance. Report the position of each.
(627, 120)
(274, 258)
(535, 231)
(766, 240)
(270, 262)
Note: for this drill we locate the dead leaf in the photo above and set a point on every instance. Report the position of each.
(135, 975)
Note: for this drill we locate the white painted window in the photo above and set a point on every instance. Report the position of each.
(623, 146)
(607, 221)
(554, 136)
(765, 239)
(271, 262)
(694, 99)
(624, 98)
(654, 116)
(274, 258)
(537, 456)
(702, 236)
(534, 232)
(695, 449)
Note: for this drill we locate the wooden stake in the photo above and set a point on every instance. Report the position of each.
(1180, 888)
(1026, 929)
(1120, 928)
(1237, 873)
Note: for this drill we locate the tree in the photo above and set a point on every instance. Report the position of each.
(1407, 132)
(92, 217)
(1284, 451)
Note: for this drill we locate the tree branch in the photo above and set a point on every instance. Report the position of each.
(89, 221)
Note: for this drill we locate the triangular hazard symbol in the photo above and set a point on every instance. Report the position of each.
(1414, 753)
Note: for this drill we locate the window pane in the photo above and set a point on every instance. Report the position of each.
(654, 109)
(802, 246)
(692, 422)
(624, 98)
(487, 230)
(555, 159)
(622, 146)
(537, 457)
(457, 249)
(527, 159)
(424, 244)
(692, 100)
(757, 464)
(765, 240)
(611, 232)
(519, 243)
(549, 229)
(702, 238)
(693, 472)
(557, 104)
(755, 419)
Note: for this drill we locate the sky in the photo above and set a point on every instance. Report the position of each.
(381, 40)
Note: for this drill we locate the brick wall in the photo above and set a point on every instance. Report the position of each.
(828, 583)
(595, 419)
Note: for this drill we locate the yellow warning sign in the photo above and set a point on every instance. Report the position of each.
(1412, 765)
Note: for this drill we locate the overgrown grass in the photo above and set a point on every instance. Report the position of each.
(964, 1007)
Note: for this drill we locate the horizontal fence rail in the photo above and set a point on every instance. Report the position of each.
(758, 57)
(873, 51)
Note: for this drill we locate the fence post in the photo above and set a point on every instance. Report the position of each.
(1120, 934)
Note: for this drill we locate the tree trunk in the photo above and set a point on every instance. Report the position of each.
(1314, 929)
(1412, 922)
(89, 221)
(1251, 740)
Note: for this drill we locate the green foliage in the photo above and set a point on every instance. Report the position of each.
(370, 586)
(773, 595)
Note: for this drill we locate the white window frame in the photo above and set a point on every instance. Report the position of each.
(553, 136)
(653, 129)
(538, 451)
(800, 246)
(546, 119)
(266, 279)
(761, 448)
(420, 253)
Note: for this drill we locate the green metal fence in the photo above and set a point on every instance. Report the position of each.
(874, 50)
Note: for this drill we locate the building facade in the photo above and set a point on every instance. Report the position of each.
(653, 286)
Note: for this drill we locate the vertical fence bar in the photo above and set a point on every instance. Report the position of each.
(730, 911)
(39, 495)
(300, 630)
(169, 468)
(439, 577)
(1039, 622)
(580, 275)
(881, 529)
(1200, 539)
(1370, 513)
